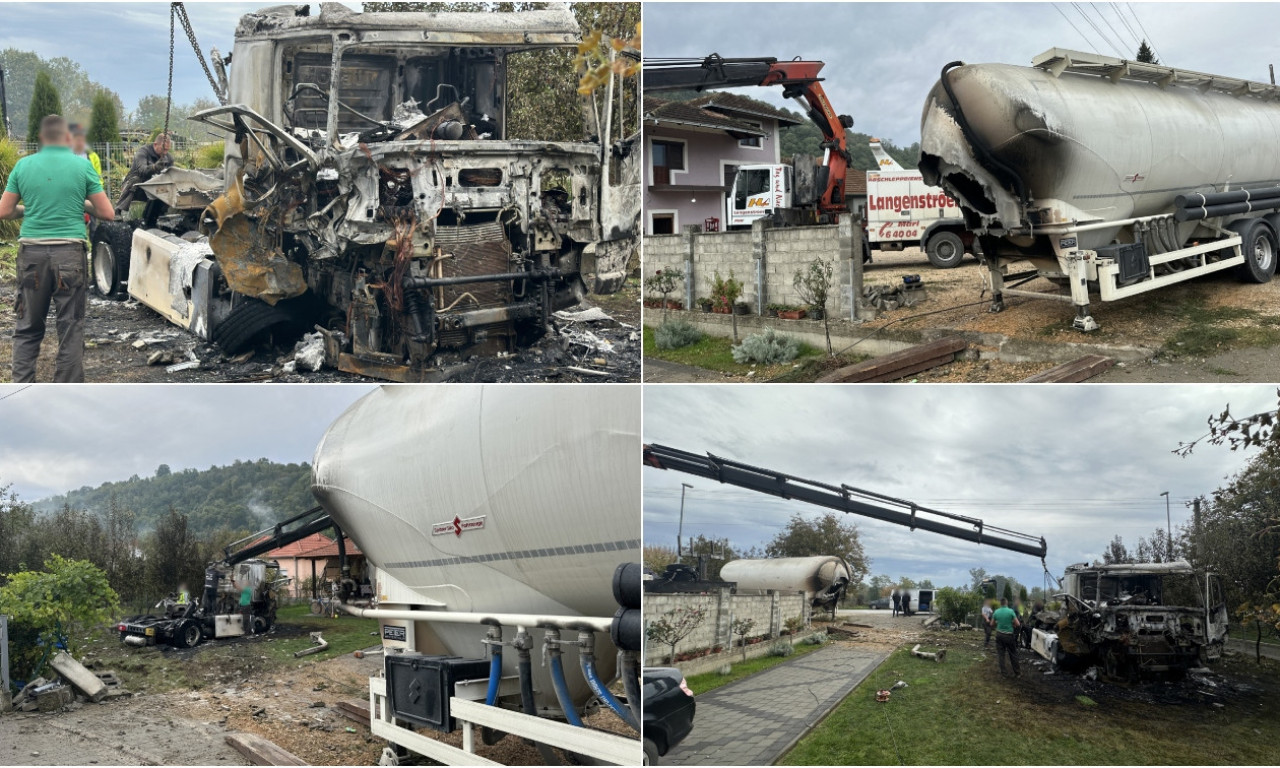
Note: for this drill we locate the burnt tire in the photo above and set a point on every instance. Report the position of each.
(109, 259)
(1259, 248)
(188, 635)
(945, 250)
(249, 322)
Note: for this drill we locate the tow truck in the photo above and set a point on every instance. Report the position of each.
(216, 613)
(806, 192)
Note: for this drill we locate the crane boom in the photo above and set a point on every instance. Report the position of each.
(799, 81)
(296, 528)
(843, 498)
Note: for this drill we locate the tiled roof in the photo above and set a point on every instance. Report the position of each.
(721, 101)
(855, 183)
(295, 549)
(686, 113)
(331, 550)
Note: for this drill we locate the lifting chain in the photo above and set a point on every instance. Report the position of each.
(178, 12)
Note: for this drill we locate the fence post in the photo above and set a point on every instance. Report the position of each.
(687, 243)
(759, 252)
(4, 654)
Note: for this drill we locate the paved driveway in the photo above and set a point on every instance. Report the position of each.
(754, 721)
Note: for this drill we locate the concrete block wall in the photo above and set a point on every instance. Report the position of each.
(764, 259)
(769, 611)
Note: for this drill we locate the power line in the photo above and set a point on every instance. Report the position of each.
(1145, 34)
(1077, 29)
(1137, 41)
(1088, 19)
(11, 394)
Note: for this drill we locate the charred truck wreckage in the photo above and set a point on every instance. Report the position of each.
(370, 188)
(1134, 618)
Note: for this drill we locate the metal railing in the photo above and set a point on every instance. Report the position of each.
(117, 156)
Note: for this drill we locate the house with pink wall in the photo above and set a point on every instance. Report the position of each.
(692, 149)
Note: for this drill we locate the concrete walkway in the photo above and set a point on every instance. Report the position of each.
(754, 721)
(666, 372)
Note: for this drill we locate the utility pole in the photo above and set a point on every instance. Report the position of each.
(680, 530)
(1168, 522)
(4, 107)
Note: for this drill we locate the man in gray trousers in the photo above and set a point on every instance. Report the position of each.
(56, 188)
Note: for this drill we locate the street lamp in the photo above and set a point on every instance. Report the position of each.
(680, 530)
(1168, 522)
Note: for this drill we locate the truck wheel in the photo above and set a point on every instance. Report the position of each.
(109, 259)
(945, 250)
(1259, 248)
(246, 323)
(866, 249)
(651, 756)
(189, 635)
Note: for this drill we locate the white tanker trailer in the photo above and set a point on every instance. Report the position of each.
(822, 579)
(497, 518)
(1111, 176)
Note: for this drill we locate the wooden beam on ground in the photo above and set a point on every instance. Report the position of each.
(898, 365)
(1069, 373)
(354, 710)
(919, 654)
(259, 751)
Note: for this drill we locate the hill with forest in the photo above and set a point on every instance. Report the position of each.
(244, 495)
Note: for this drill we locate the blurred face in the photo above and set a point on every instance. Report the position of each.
(78, 143)
(161, 145)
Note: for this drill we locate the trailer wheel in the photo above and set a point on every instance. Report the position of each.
(650, 752)
(1259, 248)
(248, 322)
(189, 635)
(109, 259)
(945, 250)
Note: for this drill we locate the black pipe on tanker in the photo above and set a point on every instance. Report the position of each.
(1202, 200)
(1227, 209)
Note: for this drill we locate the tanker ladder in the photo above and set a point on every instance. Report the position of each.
(1126, 269)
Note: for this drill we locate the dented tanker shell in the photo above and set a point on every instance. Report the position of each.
(1088, 147)
(502, 499)
(818, 577)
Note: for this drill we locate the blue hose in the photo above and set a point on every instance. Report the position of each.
(562, 691)
(495, 674)
(599, 689)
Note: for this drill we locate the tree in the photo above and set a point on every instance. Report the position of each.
(56, 605)
(1146, 55)
(104, 123)
(44, 102)
(657, 558)
(742, 627)
(163, 471)
(1116, 552)
(17, 534)
(926, 584)
(813, 285)
(906, 582)
(976, 577)
(955, 606)
(824, 535)
(76, 89)
(674, 626)
(172, 555)
(878, 586)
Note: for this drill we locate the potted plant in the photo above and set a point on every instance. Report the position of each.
(741, 308)
(788, 312)
(813, 284)
(663, 282)
(816, 313)
(705, 303)
(771, 309)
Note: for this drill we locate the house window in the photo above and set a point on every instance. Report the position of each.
(664, 224)
(752, 142)
(667, 156)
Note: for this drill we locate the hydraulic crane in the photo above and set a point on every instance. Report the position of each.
(216, 613)
(799, 81)
(843, 498)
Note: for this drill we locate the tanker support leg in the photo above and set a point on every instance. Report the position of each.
(997, 284)
(1078, 275)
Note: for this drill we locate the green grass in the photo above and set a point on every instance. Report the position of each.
(709, 681)
(8, 261)
(962, 712)
(1248, 635)
(1210, 330)
(714, 353)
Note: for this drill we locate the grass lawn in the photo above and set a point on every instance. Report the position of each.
(229, 661)
(709, 681)
(714, 353)
(1249, 635)
(962, 712)
(8, 261)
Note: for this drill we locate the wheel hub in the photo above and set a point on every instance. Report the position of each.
(104, 267)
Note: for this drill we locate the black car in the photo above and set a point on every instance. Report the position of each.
(668, 711)
(883, 602)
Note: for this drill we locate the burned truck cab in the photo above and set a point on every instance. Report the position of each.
(1136, 618)
(370, 173)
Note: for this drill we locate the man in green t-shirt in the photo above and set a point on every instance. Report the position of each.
(56, 189)
(1006, 623)
(246, 609)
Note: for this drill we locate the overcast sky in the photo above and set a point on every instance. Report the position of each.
(1075, 464)
(125, 46)
(882, 58)
(57, 439)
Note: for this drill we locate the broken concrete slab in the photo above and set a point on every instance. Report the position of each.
(75, 673)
